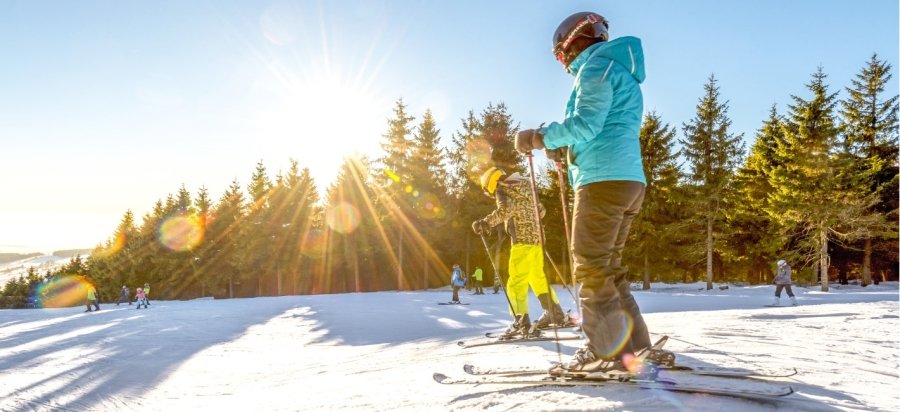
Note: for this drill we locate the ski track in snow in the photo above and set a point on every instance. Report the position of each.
(377, 351)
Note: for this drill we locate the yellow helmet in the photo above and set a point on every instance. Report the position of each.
(490, 178)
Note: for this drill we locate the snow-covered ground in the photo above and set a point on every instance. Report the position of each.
(377, 351)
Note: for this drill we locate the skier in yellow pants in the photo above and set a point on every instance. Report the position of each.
(515, 208)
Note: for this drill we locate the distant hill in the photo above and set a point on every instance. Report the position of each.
(70, 253)
(12, 257)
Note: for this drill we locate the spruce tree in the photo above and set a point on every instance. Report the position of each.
(870, 142)
(755, 238)
(223, 262)
(395, 178)
(713, 154)
(469, 156)
(429, 197)
(651, 232)
(810, 197)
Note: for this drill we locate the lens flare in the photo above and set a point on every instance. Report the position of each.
(342, 217)
(180, 233)
(428, 206)
(478, 155)
(62, 292)
(622, 339)
(112, 247)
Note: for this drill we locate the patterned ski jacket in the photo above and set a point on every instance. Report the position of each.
(603, 115)
(515, 209)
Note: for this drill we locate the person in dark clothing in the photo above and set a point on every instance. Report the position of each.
(124, 296)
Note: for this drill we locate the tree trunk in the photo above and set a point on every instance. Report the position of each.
(400, 260)
(646, 272)
(867, 263)
(277, 281)
(230, 289)
(468, 243)
(709, 251)
(823, 258)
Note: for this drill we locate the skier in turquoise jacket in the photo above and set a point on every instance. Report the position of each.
(599, 141)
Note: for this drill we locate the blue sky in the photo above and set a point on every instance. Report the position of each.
(108, 106)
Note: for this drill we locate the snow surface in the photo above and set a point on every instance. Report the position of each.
(377, 351)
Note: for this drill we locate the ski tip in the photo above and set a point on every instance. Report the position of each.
(439, 377)
(470, 369)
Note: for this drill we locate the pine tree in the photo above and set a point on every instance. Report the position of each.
(396, 177)
(203, 206)
(258, 231)
(713, 154)
(469, 156)
(429, 197)
(354, 236)
(223, 263)
(870, 142)
(755, 237)
(810, 196)
(651, 231)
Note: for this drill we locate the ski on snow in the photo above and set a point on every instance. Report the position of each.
(705, 371)
(770, 393)
(540, 377)
(496, 341)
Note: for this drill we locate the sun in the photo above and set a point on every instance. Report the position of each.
(320, 116)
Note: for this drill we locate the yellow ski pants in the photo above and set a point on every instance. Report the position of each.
(526, 268)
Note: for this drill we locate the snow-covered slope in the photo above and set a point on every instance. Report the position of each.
(377, 351)
(16, 268)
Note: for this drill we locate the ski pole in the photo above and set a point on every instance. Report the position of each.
(540, 231)
(561, 182)
(497, 273)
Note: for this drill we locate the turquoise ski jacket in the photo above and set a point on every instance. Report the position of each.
(603, 115)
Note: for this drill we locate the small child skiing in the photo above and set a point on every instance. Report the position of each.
(140, 298)
(783, 281)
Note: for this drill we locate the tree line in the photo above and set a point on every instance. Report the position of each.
(817, 187)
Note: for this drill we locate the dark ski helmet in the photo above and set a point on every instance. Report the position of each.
(584, 24)
(490, 179)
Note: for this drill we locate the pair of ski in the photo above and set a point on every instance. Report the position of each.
(532, 377)
(492, 338)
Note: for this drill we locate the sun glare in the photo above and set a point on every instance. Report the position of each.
(321, 119)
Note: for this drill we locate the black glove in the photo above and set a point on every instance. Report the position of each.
(480, 227)
(528, 140)
(555, 155)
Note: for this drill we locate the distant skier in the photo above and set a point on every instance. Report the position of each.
(478, 276)
(92, 299)
(124, 296)
(456, 282)
(515, 209)
(147, 293)
(140, 297)
(783, 281)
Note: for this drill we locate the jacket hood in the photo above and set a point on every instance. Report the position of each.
(626, 51)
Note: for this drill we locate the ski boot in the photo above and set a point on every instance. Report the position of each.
(520, 328)
(661, 357)
(553, 314)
